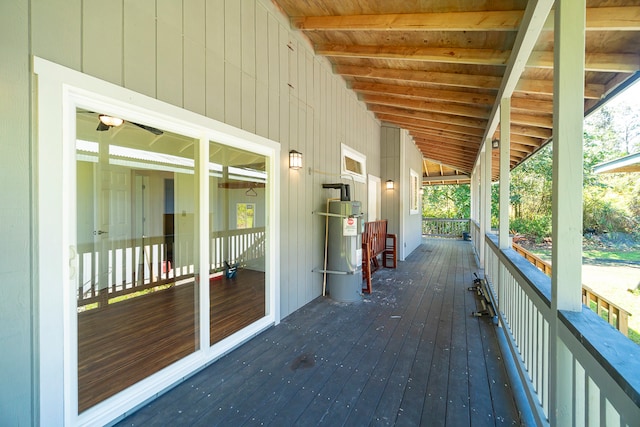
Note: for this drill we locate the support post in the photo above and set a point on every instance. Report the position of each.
(481, 203)
(505, 148)
(568, 117)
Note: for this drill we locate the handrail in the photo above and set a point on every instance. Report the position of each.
(570, 363)
(617, 316)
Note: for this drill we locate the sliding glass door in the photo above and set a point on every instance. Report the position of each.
(237, 220)
(137, 242)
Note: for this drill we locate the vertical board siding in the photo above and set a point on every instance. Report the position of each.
(140, 46)
(16, 335)
(237, 62)
(169, 52)
(102, 44)
(194, 56)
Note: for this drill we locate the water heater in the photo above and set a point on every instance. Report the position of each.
(344, 248)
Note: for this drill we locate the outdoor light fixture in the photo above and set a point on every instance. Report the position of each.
(110, 120)
(389, 184)
(495, 143)
(295, 160)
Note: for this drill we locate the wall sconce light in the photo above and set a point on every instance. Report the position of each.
(389, 184)
(295, 160)
(495, 143)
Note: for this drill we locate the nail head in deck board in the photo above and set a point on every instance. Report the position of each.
(357, 347)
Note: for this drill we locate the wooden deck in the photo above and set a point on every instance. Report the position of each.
(126, 342)
(409, 354)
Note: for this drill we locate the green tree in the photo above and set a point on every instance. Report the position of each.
(446, 201)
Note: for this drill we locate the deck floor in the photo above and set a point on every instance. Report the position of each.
(409, 354)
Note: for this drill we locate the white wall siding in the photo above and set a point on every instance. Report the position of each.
(238, 62)
(16, 320)
(412, 223)
(390, 170)
(234, 61)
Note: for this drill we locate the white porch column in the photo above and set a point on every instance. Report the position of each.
(481, 223)
(485, 197)
(568, 116)
(505, 148)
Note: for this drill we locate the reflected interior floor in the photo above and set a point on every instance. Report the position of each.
(132, 339)
(410, 354)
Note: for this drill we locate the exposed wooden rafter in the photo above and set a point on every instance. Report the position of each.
(440, 70)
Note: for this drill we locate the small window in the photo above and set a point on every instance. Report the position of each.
(354, 164)
(245, 214)
(414, 196)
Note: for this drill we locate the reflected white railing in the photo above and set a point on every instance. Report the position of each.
(597, 367)
(131, 266)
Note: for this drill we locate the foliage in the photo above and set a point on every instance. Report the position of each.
(537, 228)
(446, 201)
(530, 191)
(611, 201)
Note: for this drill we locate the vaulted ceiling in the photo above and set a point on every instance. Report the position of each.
(439, 68)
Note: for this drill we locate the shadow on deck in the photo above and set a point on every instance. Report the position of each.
(409, 354)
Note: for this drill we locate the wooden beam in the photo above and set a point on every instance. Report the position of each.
(434, 125)
(440, 141)
(409, 53)
(625, 18)
(534, 105)
(451, 21)
(545, 87)
(418, 76)
(445, 178)
(437, 142)
(420, 105)
(525, 140)
(444, 135)
(601, 62)
(530, 131)
(620, 18)
(455, 161)
(434, 117)
(533, 120)
(458, 152)
(425, 93)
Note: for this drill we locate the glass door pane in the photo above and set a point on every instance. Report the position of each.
(137, 238)
(237, 218)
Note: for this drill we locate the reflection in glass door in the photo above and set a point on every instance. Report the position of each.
(137, 239)
(237, 219)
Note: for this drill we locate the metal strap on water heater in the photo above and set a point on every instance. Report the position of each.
(339, 215)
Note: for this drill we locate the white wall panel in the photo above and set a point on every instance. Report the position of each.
(102, 29)
(232, 33)
(248, 47)
(140, 46)
(194, 56)
(169, 52)
(249, 99)
(232, 95)
(16, 329)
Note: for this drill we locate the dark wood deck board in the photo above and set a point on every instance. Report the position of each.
(435, 364)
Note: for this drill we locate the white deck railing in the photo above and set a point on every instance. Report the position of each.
(135, 265)
(444, 227)
(598, 369)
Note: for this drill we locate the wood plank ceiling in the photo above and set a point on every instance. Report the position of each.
(438, 68)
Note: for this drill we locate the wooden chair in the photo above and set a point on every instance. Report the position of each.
(375, 242)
